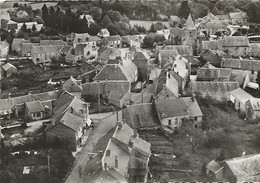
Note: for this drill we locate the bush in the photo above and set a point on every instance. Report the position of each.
(217, 138)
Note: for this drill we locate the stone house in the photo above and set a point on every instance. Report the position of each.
(238, 18)
(44, 54)
(112, 41)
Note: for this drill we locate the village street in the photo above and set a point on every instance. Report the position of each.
(147, 93)
(103, 123)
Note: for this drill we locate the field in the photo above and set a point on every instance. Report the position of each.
(146, 24)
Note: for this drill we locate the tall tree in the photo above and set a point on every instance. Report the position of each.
(24, 27)
(34, 28)
(184, 10)
(45, 12)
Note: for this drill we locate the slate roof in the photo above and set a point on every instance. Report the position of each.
(113, 38)
(45, 49)
(141, 56)
(241, 95)
(209, 72)
(193, 106)
(71, 57)
(235, 41)
(212, 45)
(86, 67)
(171, 107)
(213, 166)
(190, 24)
(85, 37)
(34, 106)
(245, 166)
(7, 66)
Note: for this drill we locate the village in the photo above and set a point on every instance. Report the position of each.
(86, 96)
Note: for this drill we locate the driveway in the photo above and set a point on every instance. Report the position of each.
(101, 128)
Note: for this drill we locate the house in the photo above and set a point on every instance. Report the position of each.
(183, 50)
(133, 40)
(114, 92)
(108, 53)
(212, 57)
(12, 25)
(140, 115)
(218, 90)
(34, 110)
(165, 56)
(9, 69)
(112, 41)
(238, 18)
(65, 50)
(236, 45)
(17, 44)
(73, 86)
(69, 122)
(121, 70)
(210, 73)
(142, 61)
(194, 109)
(239, 97)
(254, 50)
(15, 107)
(171, 112)
(44, 54)
(215, 170)
(242, 169)
(225, 19)
(29, 25)
(72, 59)
(4, 48)
(89, 19)
(120, 156)
(253, 108)
(26, 49)
(85, 38)
(103, 33)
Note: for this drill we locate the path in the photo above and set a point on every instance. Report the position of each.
(147, 92)
(82, 157)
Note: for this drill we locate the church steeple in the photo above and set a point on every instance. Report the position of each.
(190, 24)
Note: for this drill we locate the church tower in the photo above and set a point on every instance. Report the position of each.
(190, 33)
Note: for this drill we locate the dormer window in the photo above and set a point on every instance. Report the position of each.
(79, 40)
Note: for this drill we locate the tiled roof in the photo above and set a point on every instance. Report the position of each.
(140, 115)
(237, 15)
(34, 106)
(193, 106)
(235, 41)
(213, 166)
(254, 48)
(44, 49)
(241, 95)
(111, 72)
(86, 67)
(171, 107)
(255, 103)
(71, 57)
(7, 66)
(141, 56)
(105, 54)
(245, 64)
(181, 49)
(80, 46)
(51, 42)
(113, 38)
(245, 167)
(72, 85)
(66, 48)
(85, 37)
(72, 121)
(19, 41)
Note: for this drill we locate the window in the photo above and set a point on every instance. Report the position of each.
(196, 118)
(169, 122)
(37, 59)
(176, 121)
(252, 72)
(38, 114)
(169, 75)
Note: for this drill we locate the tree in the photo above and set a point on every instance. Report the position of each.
(237, 33)
(253, 12)
(184, 10)
(148, 41)
(15, 5)
(96, 13)
(115, 16)
(34, 28)
(45, 12)
(24, 27)
(106, 20)
(158, 26)
(152, 28)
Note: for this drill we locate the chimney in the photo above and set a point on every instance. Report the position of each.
(108, 152)
(116, 162)
(193, 97)
(105, 166)
(71, 109)
(119, 124)
(9, 95)
(131, 143)
(135, 134)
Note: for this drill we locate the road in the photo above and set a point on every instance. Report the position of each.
(101, 128)
(147, 92)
